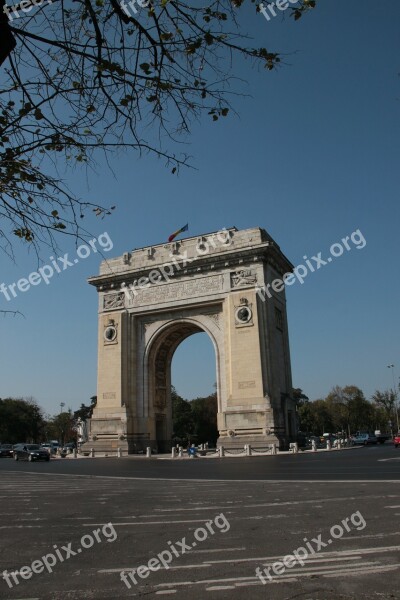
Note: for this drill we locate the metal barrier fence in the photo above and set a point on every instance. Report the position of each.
(221, 451)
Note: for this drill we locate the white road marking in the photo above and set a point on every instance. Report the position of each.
(337, 570)
(209, 550)
(216, 507)
(346, 553)
(212, 481)
(381, 569)
(217, 588)
(333, 556)
(278, 503)
(21, 526)
(120, 569)
(146, 523)
(370, 535)
(331, 574)
(207, 565)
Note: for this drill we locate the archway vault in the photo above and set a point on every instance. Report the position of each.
(153, 298)
(157, 362)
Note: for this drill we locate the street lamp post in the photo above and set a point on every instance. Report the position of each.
(395, 396)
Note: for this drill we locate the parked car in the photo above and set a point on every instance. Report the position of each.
(364, 438)
(49, 448)
(316, 439)
(381, 437)
(327, 437)
(68, 448)
(397, 440)
(30, 452)
(6, 450)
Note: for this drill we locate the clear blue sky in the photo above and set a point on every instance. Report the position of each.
(313, 156)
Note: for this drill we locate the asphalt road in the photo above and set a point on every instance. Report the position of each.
(212, 522)
(360, 463)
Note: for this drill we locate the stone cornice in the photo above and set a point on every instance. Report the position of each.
(267, 252)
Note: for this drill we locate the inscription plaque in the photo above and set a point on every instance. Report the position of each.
(166, 292)
(243, 385)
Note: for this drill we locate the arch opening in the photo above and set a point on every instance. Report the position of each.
(194, 394)
(160, 400)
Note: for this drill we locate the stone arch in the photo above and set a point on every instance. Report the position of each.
(150, 299)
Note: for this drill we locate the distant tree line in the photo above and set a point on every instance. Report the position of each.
(23, 420)
(346, 409)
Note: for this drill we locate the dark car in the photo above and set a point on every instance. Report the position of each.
(30, 452)
(6, 450)
(69, 448)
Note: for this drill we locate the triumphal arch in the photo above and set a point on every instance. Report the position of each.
(228, 284)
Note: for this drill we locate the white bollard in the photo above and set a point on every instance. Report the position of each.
(313, 445)
(180, 452)
(328, 445)
(119, 452)
(148, 452)
(74, 453)
(248, 450)
(272, 447)
(173, 452)
(92, 452)
(221, 451)
(294, 447)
